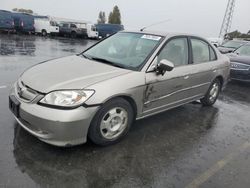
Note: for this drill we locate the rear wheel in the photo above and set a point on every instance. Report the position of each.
(212, 93)
(112, 122)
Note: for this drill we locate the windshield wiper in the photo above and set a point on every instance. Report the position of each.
(108, 62)
(86, 56)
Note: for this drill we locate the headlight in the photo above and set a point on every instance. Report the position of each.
(67, 98)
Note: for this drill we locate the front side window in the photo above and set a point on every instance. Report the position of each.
(65, 25)
(128, 50)
(73, 26)
(176, 51)
(200, 51)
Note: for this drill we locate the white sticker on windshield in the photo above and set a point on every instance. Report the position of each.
(151, 37)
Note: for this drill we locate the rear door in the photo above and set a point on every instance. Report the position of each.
(203, 65)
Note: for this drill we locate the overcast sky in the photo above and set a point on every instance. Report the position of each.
(203, 17)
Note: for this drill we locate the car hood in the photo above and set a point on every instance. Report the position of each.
(73, 72)
(238, 58)
(225, 50)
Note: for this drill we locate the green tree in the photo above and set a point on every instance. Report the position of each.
(110, 20)
(22, 10)
(115, 16)
(101, 17)
(234, 34)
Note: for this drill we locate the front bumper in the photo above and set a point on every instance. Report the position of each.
(55, 126)
(240, 75)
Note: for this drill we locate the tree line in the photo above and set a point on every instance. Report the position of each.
(113, 18)
(237, 34)
(22, 10)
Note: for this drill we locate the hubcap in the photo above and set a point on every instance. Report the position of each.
(114, 122)
(214, 92)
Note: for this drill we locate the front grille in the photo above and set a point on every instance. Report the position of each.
(26, 93)
(239, 66)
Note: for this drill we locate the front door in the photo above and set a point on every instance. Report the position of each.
(174, 87)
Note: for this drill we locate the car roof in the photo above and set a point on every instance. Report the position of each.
(238, 40)
(160, 33)
(246, 44)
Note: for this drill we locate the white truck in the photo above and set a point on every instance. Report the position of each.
(44, 25)
(92, 31)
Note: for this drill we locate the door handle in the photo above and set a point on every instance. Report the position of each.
(186, 77)
(214, 70)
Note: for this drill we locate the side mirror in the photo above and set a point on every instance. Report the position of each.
(164, 66)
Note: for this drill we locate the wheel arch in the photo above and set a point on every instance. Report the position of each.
(221, 79)
(128, 98)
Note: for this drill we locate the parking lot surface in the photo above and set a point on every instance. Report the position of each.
(190, 146)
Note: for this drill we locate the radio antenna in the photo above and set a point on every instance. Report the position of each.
(154, 24)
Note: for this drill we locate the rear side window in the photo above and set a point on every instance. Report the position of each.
(176, 51)
(200, 51)
(212, 54)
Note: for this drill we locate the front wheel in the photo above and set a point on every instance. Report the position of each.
(73, 34)
(112, 122)
(212, 93)
(44, 33)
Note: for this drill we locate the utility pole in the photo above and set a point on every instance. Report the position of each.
(227, 20)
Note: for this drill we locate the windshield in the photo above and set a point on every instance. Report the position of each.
(232, 44)
(128, 50)
(243, 50)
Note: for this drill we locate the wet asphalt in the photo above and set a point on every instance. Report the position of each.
(190, 146)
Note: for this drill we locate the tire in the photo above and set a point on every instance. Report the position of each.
(73, 34)
(112, 122)
(44, 33)
(212, 93)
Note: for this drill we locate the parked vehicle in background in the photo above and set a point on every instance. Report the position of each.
(44, 25)
(73, 29)
(105, 30)
(6, 21)
(215, 41)
(24, 23)
(101, 91)
(240, 63)
(230, 46)
(92, 31)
